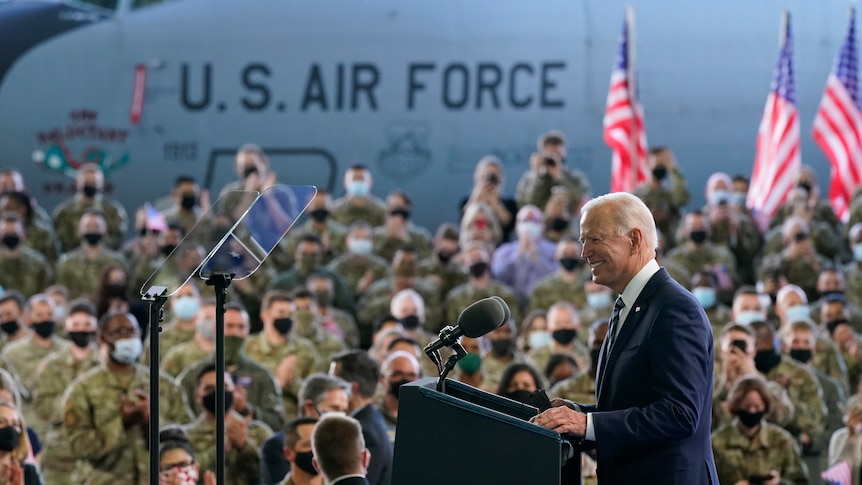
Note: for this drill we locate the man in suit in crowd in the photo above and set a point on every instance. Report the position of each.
(651, 420)
(339, 450)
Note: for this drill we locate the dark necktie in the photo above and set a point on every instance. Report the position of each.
(612, 326)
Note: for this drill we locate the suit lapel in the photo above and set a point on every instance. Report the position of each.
(636, 312)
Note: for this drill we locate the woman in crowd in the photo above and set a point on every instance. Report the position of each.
(534, 331)
(15, 449)
(846, 442)
(177, 464)
(519, 380)
(113, 294)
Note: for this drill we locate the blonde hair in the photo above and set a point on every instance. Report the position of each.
(22, 451)
(470, 212)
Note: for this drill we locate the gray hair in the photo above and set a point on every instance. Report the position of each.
(629, 213)
(418, 302)
(316, 386)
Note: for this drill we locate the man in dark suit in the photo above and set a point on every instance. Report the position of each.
(362, 372)
(339, 450)
(651, 420)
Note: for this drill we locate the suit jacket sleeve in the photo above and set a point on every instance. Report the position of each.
(678, 353)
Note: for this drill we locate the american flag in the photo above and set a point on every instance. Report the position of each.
(838, 474)
(838, 124)
(777, 164)
(155, 220)
(624, 128)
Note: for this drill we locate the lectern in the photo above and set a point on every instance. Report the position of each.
(467, 436)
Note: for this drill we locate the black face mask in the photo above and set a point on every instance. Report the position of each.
(477, 270)
(11, 241)
(167, 249)
(93, 238)
(659, 172)
(304, 463)
(44, 329)
(570, 264)
(520, 395)
(805, 185)
(402, 213)
(209, 401)
(559, 224)
(10, 437)
(81, 339)
(90, 191)
(283, 325)
(319, 215)
(564, 336)
(249, 171)
(824, 294)
(749, 420)
(766, 360)
(410, 322)
(116, 290)
(395, 387)
(502, 347)
(445, 257)
(697, 237)
(189, 201)
(801, 355)
(11, 327)
(832, 325)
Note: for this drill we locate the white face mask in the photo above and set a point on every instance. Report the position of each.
(857, 252)
(797, 313)
(539, 339)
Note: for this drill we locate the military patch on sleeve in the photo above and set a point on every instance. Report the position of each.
(69, 414)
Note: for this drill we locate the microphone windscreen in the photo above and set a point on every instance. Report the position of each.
(505, 308)
(481, 317)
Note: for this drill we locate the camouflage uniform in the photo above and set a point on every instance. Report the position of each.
(445, 276)
(580, 388)
(493, 368)
(170, 337)
(737, 457)
(56, 372)
(352, 269)
(827, 241)
(696, 259)
(322, 341)
(744, 244)
(465, 295)
(718, 316)
(541, 355)
(822, 213)
(828, 360)
(666, 203)
(29, 273)
(81, 274)
(184, 218)
(806, 395)
(308, 362)
(43, 240)
(349, 331)
(25, 355)
(678, 273)
(292, 279)
(241, 465)
(537, 189)
(336, 232)
(371, 210)
(855, 313)
(377, 299)
(552, 289)
(418, 237)
(67, 215)
(109, 454)
(178, 358)
(781, 413)
(853, 278)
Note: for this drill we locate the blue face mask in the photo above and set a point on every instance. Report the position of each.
(738, 199)
(599, 300)
(797, 313)
(529, 230)
(857, 252)
(358, 188)
(719, 196)
(186, 307)
(706, 296)
(539, 339)
(360, 247)
(127, 350)
(749, 317)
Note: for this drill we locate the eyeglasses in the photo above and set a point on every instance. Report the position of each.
(122, 332)
(170, 466)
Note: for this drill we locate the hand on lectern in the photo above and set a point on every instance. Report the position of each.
(563, 420)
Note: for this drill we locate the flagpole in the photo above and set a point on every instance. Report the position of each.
(630, 77)
(782, 34)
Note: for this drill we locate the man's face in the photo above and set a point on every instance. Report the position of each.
(245, 162)
(471, 345)
(747, 303)
(832, 311)
(404, 307)
(10, 181)
(502, 333)
(740, 186)
(207, 385)
(727, 343)
(829, 282)
(303, 444)
(334, 401)
(40, 311)
(321, 200)
(92, 224)
(558, 149)
(120, 327)
(401, 369)
(235, 324)
(446, 246)
(277, 309)
(92, 178)
(790, 299)
(694, 224)
(561, 319)
(800, 340)
(612, 258)
(80, 322)
(307, 249)
(10, 311)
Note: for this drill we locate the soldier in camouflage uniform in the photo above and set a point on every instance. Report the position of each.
(359, 266)
(600, 304)
(184, 306)
(288, 356)
(21, 268)
(90, 182)
(826, 240)
(736, 231)
(441, 268)
(308, 325)
(260, 393)
(749, 445)
(501, 354)
(853, 270)
(705, 289)
(358, 204)
(11, 310)
(186, 209)
(80, 269)
(398, 231)
(564, 325)
(337, 323)
(819, 208)
(56, 372)
(105, 411)
(581, 388)
(548, 170)
(566, 284)
(40, 235)
(331, 233)
(831, 286)
(665, 196)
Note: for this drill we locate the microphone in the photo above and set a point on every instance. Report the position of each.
(476, 320)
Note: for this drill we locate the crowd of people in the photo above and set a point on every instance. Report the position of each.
(335, 320)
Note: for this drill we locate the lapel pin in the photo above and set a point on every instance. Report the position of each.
(637, 309)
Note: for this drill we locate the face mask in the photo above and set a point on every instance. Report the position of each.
(749, 317)
(559, 224)
(564, 336)
(470, 364)
(539, 339)
(857, 252)
(232, 346)
(11, 327)
(127, 350)
(81, 339)
(749, 420)
(529, 230)
(833, 324)
(402, 213)
(187, 475)
(395, 387)
(186, 307)
(445, 257)
(502, 347)
(283, 325)
(738, 199)
(410, 322)
(659, 173)
(304, 463)
(719, 197)
(360, 247)
(358, 188)
(766, 360)
(706, 296)
(697, 237)
(319, 215)
(570, 264)
(520, 395)
(805, 185)
(206, 329)
(594, 357)
(477, 270)
(44, 329)
(90, 191)
(307, 263)
(249, 171)
(209, 401)
(797, 313)
(189, 201)
(116, 290)
(323, 299)
(167, 249)
(11, 241)
(801, 355)
(599, 300)
(93, 238)
(10, 437)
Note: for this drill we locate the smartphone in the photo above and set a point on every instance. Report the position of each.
(741, 345)
(759, 479)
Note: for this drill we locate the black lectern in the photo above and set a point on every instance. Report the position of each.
(472, 437)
